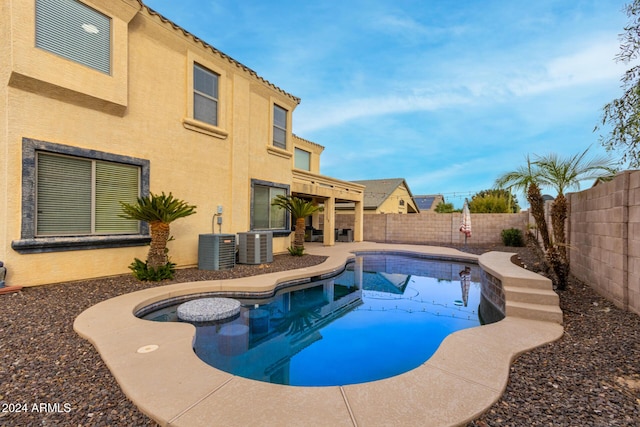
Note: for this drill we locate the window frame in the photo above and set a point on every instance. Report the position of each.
(285, 129)
(189, 121)
(211, 97)
(93, 194)
(296, 158)
(30, 242)
(105, 67)
(277, 232)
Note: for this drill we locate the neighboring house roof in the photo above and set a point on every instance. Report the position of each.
(378, 190)
(216, 51)
(425, 202)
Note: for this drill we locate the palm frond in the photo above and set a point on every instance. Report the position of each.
(157, 207)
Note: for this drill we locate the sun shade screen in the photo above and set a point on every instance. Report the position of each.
(63, 195)
(115, 183)
(82, 196)
(74, 31)
(205, 95)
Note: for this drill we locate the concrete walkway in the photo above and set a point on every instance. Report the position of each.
(156, 367)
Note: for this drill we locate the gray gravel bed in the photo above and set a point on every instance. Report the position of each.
(49, 376)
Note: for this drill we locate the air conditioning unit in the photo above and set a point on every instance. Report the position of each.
(216, 251)
(255, 247)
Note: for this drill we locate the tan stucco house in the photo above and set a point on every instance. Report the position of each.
(105, 100)
(390, 195)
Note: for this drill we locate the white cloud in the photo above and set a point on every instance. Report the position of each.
(487, 84)
(591, 65)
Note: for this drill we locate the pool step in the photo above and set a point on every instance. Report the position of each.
(527, 279)
(531, 295)
(527, 295)
(544, 312)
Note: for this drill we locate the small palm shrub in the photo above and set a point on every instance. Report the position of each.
(159, 210)
(299, 209)
(296, 251)
(144, 273)
(512, 237)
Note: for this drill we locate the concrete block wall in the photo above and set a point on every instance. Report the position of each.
(604, 239)
(435, 228)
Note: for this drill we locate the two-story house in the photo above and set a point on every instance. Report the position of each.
(102, 101)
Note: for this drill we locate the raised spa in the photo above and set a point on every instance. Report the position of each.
(382, 316)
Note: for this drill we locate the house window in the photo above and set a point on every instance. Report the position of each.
(71, 195)
(205, 95)
(74, 31)
(302, 159)
(264, 215)
(76, 196)
(279, 127)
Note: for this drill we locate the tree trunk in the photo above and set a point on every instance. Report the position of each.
(298, 239)
(157, 256)
(537, 210)
(558, 218)
(559, 266)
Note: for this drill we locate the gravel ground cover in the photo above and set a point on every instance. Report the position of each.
(49, 376)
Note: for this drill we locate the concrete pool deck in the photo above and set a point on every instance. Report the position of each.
(156, 367)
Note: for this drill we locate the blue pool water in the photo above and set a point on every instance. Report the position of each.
(383, 316)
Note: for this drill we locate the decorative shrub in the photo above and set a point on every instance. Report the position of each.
(296, 251)
(143, 272)
(512, 237)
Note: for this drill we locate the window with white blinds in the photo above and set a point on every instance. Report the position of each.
(205, 95)
(76, 196)
(279, 127)
(115, 183)
(74, 31)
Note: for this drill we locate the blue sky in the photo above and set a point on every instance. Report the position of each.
(448, 95)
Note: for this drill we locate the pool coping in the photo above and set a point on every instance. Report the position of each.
(156, 367)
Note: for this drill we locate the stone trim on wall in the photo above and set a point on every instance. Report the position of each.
(29, 243)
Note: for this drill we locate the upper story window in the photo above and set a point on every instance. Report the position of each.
(205, 95)
(279, 127)
(74, 31)
(78, 196)
(302, 159)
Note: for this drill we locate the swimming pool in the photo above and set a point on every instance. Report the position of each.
(382, 316)
(156, 367)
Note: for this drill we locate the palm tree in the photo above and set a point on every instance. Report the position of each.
(159, 211)
(526, 179)
(562, 174)
(299, 210)
(519, 179)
